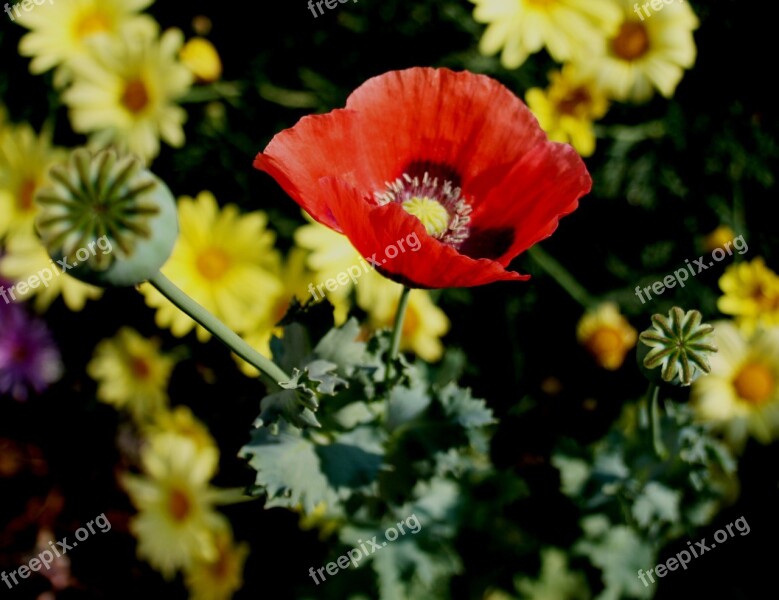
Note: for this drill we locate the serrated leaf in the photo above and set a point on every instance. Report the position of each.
(288, 468)
(287, 404)
(574, 473)
(321, 372)
(293, 349)
(619, 553)
(405, 405)
(340, 346)
(463, 409)
(657, 503)
(353, 461)
(556, 581)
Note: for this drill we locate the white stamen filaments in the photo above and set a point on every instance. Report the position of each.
(413, 193)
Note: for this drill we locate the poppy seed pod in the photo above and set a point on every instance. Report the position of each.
(106, 218)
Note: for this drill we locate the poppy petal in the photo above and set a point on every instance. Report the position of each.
(542, 187)
(422, 119)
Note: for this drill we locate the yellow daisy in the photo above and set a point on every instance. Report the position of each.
(26, 257)
(225, 261)
(522, 27)
(132, 373)
(295, 277)
(424, 323)
(200, 57)
(25, 159)
(718, 238)
(221, 578)
(741, 394)
(180, 421)
(61, 31)
(642, 55)
(125, 91)
(607, 335)
(176, 524)
(751, 294)
(568, 108)
(330, 254)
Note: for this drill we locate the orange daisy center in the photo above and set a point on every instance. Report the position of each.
(135, 96)
(632, 41)
(179, 505)
(755, 383)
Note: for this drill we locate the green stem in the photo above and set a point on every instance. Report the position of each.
(218, 329)
(653, 396)
(397, 329)
(564, 279)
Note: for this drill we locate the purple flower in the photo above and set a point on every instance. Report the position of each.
(28, 356)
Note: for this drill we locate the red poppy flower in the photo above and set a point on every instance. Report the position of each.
(451, 156)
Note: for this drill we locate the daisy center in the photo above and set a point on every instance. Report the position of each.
(135, 96)
(754, 383)
(439, 205)
(632, 41)
(140, 368)
(91, 23)
(26, 194)
(605, 340)
(578, 100)
(213, 263)
(179, 505)
(766, 300)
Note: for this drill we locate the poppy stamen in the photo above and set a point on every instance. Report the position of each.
(439, 205)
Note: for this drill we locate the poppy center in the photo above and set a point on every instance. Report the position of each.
(754, 383)
(434, 217)
(632, 41)
(438, 204)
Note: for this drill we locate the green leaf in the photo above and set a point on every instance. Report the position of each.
(657, 503)
(556, 581)
(463, 409)
(340, 346)
(619, 552)
(353, 461)
(288, 468)
(404, 405)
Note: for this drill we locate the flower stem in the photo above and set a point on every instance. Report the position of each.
(397, 329)
(654, 420)
(218, 329)
(564, 279)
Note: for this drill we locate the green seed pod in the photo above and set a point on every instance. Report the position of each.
(106, 218)
(679, 344)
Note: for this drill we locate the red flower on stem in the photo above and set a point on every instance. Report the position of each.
(451, 156)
